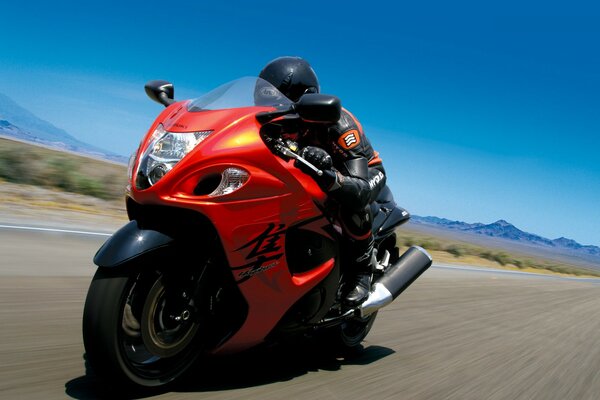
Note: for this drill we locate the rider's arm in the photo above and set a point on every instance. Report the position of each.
(357, 183)
(360, 172)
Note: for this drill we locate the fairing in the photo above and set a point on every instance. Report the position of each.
(252, 221)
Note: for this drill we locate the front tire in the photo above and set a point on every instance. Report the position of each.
(138, 328)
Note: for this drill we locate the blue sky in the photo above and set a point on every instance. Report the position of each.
(480, 111)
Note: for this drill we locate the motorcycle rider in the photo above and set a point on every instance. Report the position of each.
(353, 172)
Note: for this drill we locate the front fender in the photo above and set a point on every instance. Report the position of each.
(128, 243)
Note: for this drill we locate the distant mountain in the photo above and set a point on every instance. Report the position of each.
(18, 123)
(445, 222)
(505, 230)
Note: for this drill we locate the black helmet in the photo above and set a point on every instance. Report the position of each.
(293, 76)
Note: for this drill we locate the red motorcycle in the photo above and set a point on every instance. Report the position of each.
(229, 245)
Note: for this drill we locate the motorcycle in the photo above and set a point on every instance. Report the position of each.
(229, 245)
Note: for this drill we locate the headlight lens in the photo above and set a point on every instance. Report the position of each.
(164, 151)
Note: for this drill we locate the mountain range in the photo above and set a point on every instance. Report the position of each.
(18, 123)
(505, 230)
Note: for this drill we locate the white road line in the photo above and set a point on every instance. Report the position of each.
(33, 228)
(511, 272)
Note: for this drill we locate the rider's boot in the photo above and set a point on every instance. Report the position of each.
(360, 275)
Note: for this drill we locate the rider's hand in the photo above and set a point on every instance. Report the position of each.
(317, 157)
(320, 159)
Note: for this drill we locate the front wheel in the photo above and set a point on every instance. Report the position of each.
(142, 326)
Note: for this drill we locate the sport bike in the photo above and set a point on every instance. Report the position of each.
(229, 245)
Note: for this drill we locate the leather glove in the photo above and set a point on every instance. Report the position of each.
(320, 159)
(317, 157)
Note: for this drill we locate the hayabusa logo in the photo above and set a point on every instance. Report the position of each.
(266, 250)
(251, 272)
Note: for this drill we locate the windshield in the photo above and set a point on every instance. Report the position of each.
(244, 92)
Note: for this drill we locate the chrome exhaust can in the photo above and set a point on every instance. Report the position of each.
(396, 278)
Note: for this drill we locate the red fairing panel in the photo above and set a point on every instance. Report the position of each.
(252, 221)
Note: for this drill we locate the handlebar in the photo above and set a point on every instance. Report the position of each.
(288, 153)
(271, 134)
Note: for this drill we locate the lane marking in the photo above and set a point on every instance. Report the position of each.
(33, 228)
(510, 272)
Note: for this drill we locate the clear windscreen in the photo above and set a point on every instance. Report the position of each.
(244, 92)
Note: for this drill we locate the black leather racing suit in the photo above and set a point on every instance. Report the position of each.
(361, 177)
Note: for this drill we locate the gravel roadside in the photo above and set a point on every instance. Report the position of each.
(41, 207)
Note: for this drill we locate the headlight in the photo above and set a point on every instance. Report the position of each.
(164, 151)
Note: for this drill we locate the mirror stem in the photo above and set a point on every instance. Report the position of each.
(165, 100)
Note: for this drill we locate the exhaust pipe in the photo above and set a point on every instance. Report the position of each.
(396, 279)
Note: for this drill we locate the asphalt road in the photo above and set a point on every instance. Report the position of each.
(454, 334)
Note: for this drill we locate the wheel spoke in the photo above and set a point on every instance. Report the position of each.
(154, 337)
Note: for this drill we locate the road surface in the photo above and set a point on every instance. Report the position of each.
(455, 334)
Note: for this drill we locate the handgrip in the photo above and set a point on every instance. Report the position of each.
(288, 153)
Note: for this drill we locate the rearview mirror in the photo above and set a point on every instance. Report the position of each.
(313, 107)
(161, 91)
